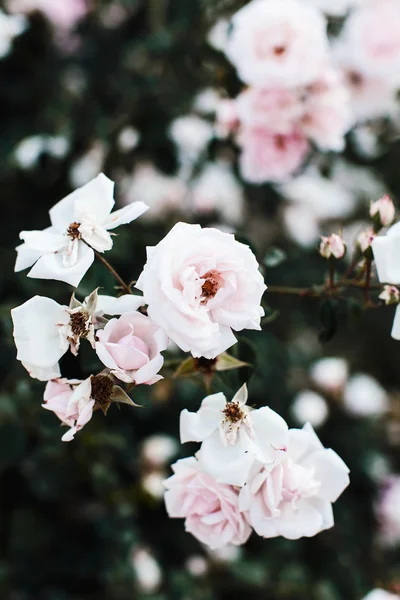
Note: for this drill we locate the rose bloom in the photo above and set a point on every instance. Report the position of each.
(200, 284)
(276, 109)
(131, 347)
(278, 43)
(268, 156)
(294, 498)
(70, 400)
(372, 34)
(327, 116)
(210, 509)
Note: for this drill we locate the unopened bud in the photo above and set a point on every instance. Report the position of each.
(364, 241)
(332, 246)
(382, 211)
(390, 294)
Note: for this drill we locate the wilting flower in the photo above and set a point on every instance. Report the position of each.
(388, 510)
(210, 509)
(294, 498)
(44, 330)
(386, 249)
(72, 403)
(131, 347)
(200, 284)
(383, 211)
(278, 43)
(270, 156)
(80, 224)
(332, 246)
(233, 436)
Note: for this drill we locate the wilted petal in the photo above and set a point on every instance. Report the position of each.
(43, 374)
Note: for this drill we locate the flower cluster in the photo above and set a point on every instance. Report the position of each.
(252, 472)
(198, 284)
(305, 88)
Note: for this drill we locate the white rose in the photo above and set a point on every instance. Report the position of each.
(200, 284)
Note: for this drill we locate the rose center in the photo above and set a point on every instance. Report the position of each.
(102, 387)
(210, 286)
(279, 50)
(78, 323)
(73, 231)
(233, 412)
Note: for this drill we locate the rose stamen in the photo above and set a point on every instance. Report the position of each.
(73, 231)
(102, 387)
(233, 412)
(78, 323)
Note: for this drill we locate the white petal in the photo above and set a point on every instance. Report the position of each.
(69, 435)
(36, 331)
(331, 471)
(270, 432)
(26, 257)
(227, 464)
(95, 198)
(386, 251)
(125, 215)
(109, 305)
(197, 426)
(241, 395)
(396, 324)
(99, 238)
(305, 521)
(44, 241)
(51, 266)
(43, 374)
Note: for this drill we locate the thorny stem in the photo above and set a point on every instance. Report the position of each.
(121, 282)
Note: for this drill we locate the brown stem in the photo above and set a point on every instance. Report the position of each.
(331, 275)
(121, 282)
(367, 285)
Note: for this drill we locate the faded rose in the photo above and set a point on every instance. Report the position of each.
(200, 284)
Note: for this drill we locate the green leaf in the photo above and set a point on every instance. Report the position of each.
(186, 368)
(226, 362)
(119, 395)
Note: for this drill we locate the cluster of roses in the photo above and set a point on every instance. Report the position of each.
(252, 472)
(198, 285)
(304, 88)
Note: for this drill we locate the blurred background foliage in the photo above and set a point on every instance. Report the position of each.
(85, 520)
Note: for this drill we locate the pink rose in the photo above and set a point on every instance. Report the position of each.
(226, 117)
(278, 43)
(294, 499)
(200, 284)
(210, 509)
(327, 116)
(269, 156)
(274, 109)
(372, 37)
(71, 401)
(131, 347)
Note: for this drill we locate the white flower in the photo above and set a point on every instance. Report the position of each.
(200, 284)
(386, 249)
(308, 406)
(330, 374)
(294, 498)
(216, 189)
(44, 330)
(278, 43)
(80, 224)
(128, 139)
(147, 570)
(233, 436)
(364, 397)
(10, 27)
(379, 594)
(191, 134)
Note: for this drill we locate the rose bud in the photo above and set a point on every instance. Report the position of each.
(364, 242)
(332, 247)
(382, 212)
(390, 294)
